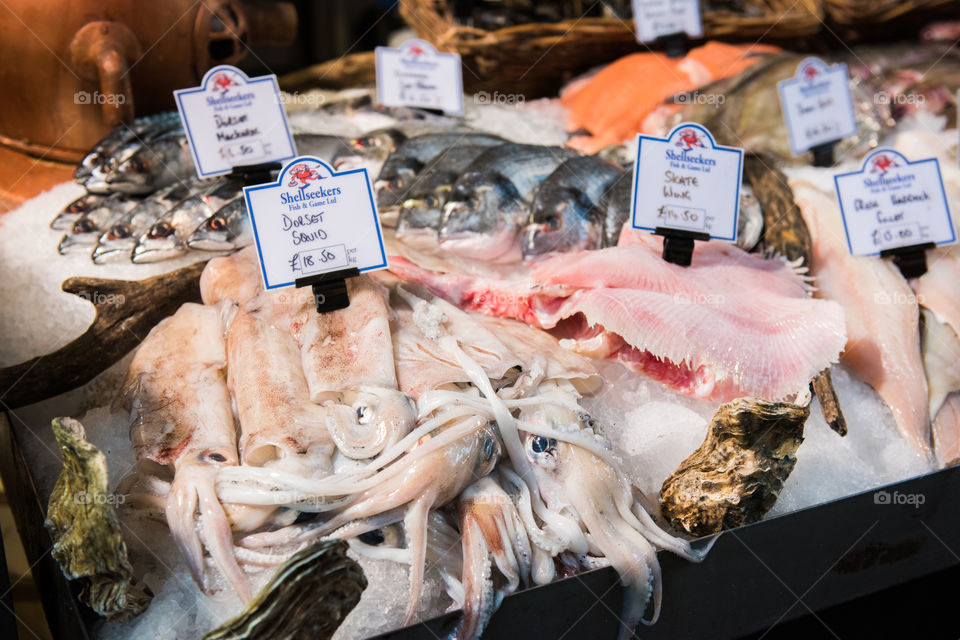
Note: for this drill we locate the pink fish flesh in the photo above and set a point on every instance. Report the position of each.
(728, 326)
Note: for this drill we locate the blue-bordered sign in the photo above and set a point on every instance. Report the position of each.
(687, 182)
(416, 75)
(312, 220)
(231, 120)
(892, 202)
(817, 105)
(655, 18)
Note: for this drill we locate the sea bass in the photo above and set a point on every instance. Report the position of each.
(732, 324)
(167, 238)
(402, 166)
(565, 215)
(489, 204)
(423, 208)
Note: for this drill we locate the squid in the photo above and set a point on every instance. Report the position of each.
(236, 277)
(182, 423)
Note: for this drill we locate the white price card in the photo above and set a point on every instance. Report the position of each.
(416, 75)
(687, 182)
(892, 202)
(232, 120)
(312, 220)
(655, 18)
(817, 105)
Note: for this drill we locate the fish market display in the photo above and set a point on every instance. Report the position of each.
(626, 97)
(731, 324)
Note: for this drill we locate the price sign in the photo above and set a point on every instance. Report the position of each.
(231, 120)
(892, 202)
(817, 105)
(416, 75)
(687, 182)
(313, 221)
(655, 18)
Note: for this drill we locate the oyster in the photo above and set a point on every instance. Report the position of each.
(87, 543)
(736, 475)
(307, 599)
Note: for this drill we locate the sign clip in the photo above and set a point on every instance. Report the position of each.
(675, 45)
(678, 244)
(823, 154)
(329, 289)
(911, 260)
(254, 174)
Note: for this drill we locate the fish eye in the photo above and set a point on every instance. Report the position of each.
(217, 457)
(373, 538)
(217, 224)
(554, 221)
(83, 225)
(588, 421)
(161, 230)
(398, 183)
(363, 414)
(431, 202)
(542, 444)
(489, 448)
(473, 204)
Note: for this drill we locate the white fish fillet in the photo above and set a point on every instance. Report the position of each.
(882, 316)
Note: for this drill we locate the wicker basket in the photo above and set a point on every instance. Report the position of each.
(866, 13)
(535, 59)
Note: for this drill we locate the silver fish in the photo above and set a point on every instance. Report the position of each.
(88, 227)
(156, 164)
(227, 229)
(490, 202)
(565, 215)
(402, 166)
(117, 241)
(72, 211)
(139, 129)
(168, 236)
(96, 182)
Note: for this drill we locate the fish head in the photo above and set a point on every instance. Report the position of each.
(377, 144)
(561, 220)
(162, 240)
(482, 220)
(390, 189)
(422, 213)
(220, 231)
(133, 175)
(114, 244)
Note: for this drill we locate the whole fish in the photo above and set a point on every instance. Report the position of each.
(83, 235)
(156, 164)
(96, 182)
(227, 229)
(615, 203)
(380, 143)
(72, 211)
(490, 202)
(167, 237)
(117, 241)
(330, 149)
(422, 209)
(565, 215)
(122, 134)
(402, 166)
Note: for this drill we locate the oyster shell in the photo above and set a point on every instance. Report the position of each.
(82, 521)
(736, 475)
(307, 598)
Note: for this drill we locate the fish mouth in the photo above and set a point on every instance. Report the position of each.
(416, 215)
(112, 251)
(76, 243)
(155, 251)
(98, 185)
(64, 221)
(213, 241)
(498, 246)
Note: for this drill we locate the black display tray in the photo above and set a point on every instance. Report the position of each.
(756, 577)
